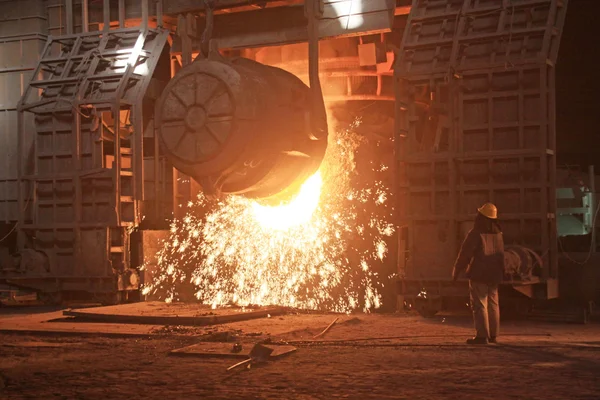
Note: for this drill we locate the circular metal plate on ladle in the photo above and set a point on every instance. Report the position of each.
(196, 117)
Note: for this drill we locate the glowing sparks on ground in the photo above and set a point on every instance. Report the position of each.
(315, 252)
(299, 210)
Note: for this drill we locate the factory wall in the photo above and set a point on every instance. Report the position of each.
(23, 33)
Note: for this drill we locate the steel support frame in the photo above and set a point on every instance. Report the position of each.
(329, 69)
(438, 61)
(63, 98)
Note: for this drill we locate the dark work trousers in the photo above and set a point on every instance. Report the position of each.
(486, 312)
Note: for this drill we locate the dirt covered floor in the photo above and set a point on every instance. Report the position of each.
(418, 359)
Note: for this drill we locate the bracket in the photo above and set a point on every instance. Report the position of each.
(313, 9)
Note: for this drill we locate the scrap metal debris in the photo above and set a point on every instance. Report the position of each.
(229, 350)
(220, 336)
(258, 354)
(236, 348)
(176, 330)
(326, 329)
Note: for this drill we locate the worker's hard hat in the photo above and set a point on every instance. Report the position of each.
(488, 210)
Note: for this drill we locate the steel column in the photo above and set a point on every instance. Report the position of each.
(85, 16)
(69, 16)
(121, 13)
(106, 14)
(593, 205)
(159, 13)
(145, 15)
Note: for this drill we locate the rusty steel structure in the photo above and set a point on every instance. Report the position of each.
(476, 123)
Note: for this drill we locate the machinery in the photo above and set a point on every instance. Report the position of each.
(241, 127)
(476, 123)
(122, 120)
(124, 116)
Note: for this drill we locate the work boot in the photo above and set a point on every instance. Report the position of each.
(492, 339)
(477, 340)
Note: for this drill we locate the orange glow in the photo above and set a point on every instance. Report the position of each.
(316, 252)
(298, 211)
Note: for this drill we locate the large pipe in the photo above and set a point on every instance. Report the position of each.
(240, 127)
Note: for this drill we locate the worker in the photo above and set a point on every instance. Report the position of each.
(481, 257)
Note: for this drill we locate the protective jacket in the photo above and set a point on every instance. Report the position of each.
(482, 255)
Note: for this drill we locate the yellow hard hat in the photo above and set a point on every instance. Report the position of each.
(488, 210)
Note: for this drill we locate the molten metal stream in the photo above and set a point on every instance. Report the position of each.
(299, 210)
(316, 252)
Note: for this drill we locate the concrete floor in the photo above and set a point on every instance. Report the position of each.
(419, 359)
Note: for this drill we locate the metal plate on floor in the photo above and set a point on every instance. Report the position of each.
(225, 350)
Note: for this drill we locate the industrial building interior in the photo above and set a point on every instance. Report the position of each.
(94, 231)
(293, 156)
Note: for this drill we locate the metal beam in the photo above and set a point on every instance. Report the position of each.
(174, 7)
(85, 16)
(106, 14)
(593, 205)
(69, 12)
(121, 13)
(238, 9)
(286, 25)
(159, 13)
(318, 115)
(156, 165)
(145, 15)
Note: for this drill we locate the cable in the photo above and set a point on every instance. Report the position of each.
(353, 341)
